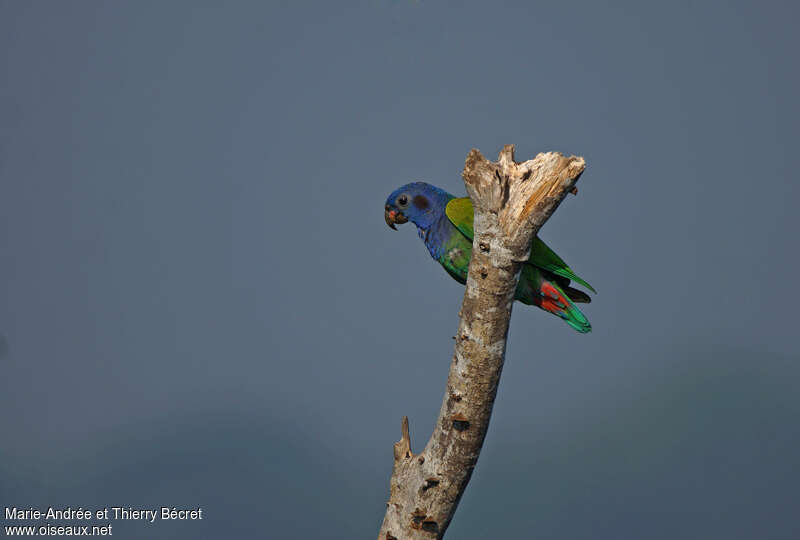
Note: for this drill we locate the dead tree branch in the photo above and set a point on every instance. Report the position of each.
(511, 202)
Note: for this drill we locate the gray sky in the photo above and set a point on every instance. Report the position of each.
(200, 303)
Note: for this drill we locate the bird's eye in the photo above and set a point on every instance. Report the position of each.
(402, 200)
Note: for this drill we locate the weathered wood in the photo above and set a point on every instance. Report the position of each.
(511, 202)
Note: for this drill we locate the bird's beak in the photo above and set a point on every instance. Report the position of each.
(392, 217)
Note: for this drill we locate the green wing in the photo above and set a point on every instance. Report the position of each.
(459, 211)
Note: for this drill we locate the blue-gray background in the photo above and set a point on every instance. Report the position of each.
(200, 304)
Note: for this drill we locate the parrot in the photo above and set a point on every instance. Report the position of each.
(445, 224)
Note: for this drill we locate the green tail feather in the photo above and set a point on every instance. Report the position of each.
(535, 289)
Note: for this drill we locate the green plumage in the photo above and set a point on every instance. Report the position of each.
(544, 280)
(460, 213)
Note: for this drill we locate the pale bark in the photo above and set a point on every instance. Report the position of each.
(511, 202)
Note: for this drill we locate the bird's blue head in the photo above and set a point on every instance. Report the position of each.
(417, 202)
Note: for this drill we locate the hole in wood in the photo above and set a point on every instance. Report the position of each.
(430, 526)
(417, 517)
(460, 422)
(430, 483)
